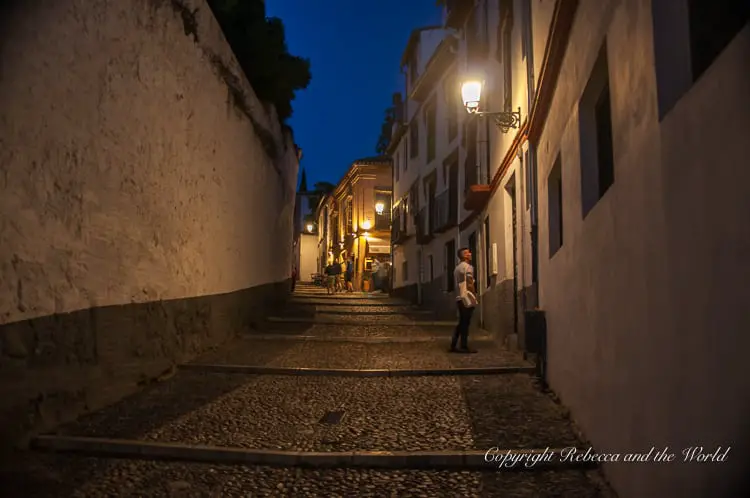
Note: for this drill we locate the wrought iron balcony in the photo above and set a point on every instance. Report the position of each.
(383, 221)
(476, 194)
(399, 232)
(446, 210)
(424, 226)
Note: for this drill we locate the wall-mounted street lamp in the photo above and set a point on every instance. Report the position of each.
(471, 93)
(366, 224)
(310, 227)
(379, 207)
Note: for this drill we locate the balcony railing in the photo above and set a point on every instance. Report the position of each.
(383, 221)
(476, 195)
(399, 226)
(446, 210)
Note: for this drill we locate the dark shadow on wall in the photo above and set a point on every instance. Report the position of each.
(59, 366)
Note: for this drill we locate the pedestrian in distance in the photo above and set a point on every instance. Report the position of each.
(336, 273)
(349, 275)
(330, 279)
(466, 301)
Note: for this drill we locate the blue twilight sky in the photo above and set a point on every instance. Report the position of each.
(355, 49)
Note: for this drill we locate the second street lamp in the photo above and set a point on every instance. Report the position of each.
(471, 94)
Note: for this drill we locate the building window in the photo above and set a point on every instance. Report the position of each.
(414, 139)
(449, 258)
(430, 187)
(383, 220)
(597, 153)
(430, 119)
(405, 270)
(713, 24)
(471, 162)
(396, 165)
(555, 207)
(504, 50)
(487, 253)
(451, 92)
(430, 269)
(529, 182)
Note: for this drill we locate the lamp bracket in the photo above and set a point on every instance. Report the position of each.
(505, 120)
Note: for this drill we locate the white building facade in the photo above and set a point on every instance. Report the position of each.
(609, 224)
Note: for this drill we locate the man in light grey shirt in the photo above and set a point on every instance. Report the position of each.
(465, 300)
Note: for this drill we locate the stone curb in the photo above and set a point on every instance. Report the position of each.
(345, 372)
(340, 304)
(123, 448)
(366, 313)
(413, 323)
(366, 340)
(342, 297)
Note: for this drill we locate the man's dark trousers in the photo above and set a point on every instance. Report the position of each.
(462, 329)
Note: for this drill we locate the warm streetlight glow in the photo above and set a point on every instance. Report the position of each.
(471, 93)
(310, 227)
(366, 224)
(379, 207)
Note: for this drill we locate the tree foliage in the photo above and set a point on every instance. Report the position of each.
(385, 131)
(324, 187)
(259, 43)
(320, 189)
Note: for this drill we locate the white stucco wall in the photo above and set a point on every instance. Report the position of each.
(646, 300)
(308, 257)
(130, 178)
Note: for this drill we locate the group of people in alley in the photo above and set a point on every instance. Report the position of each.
(339, 276)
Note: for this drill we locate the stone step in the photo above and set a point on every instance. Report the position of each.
(336, 414)
(365, 339)
(52, 474)
(342, 295)
(392, 321)
(351, 372)
(348, 353)
(539, 459)
(352, 303)
(325, 310)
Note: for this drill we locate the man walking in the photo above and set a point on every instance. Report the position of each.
(466, 300)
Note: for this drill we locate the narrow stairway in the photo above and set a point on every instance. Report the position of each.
(343, 395)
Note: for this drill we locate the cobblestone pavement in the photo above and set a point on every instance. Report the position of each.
(425, 413)
(354, 355)
(57, 476)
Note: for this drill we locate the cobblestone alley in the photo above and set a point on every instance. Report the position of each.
(300, 416)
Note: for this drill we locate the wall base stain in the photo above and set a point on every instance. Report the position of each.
(58, 366)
